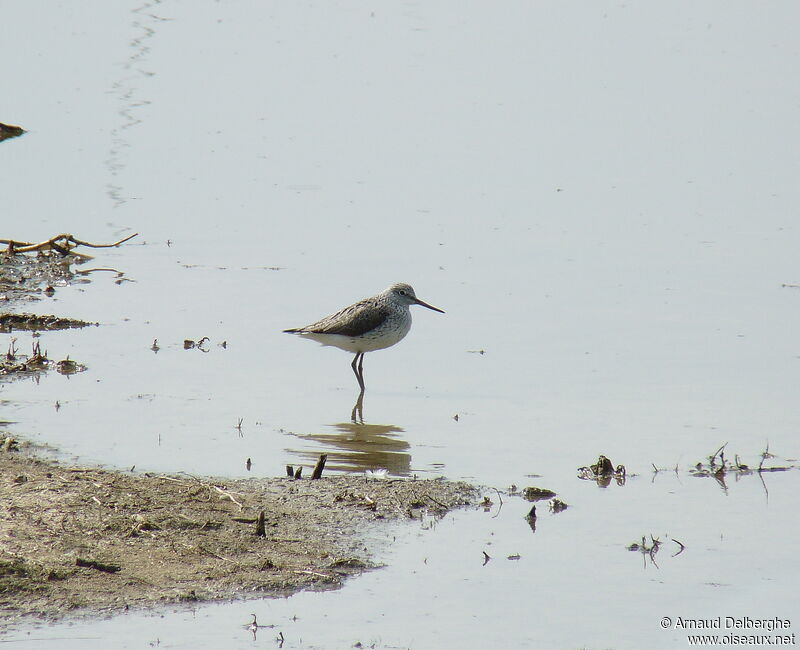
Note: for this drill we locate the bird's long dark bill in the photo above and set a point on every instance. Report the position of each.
(425, 304)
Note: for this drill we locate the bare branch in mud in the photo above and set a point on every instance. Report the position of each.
(64, 244)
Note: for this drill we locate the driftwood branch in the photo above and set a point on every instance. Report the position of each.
(63, 243)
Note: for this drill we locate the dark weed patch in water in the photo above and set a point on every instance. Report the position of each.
(603, 472)
(15, 364)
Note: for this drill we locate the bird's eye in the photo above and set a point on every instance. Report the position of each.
(402, 292)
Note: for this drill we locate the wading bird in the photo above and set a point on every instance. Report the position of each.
(370, 324)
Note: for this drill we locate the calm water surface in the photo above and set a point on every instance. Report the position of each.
(602, 197)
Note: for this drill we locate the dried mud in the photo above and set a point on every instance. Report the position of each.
(88, 540)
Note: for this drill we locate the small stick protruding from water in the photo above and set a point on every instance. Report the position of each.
(319, 467)
(290, 471)
(531, 518)
(299, 473)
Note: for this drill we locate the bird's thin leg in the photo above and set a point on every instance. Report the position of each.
(357, 416)
(358, 371)
(361, 371)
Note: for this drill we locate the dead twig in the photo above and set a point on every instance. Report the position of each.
(764, 456)
(227, 495)
(501, 503)
(14, 246)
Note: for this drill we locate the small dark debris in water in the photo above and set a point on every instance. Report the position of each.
(647, 550)
(486, 558)
(531, 518)
(188, 344)
(33, 322)
(155, 347)
(455, 417)
(299, 473)
(224, 345)
(10, 131)
(69, 367)
(248, 464)
(651, 548)
(290, 471)
(556, 506)
(515, 556)
(537, 494)
(477, 351)
(603, 471)
(49, 291)
(13, 363)
(718, 466)
(486, 504)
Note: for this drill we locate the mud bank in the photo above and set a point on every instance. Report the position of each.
(89, 540)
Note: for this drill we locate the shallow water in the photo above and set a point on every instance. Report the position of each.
(601, 197)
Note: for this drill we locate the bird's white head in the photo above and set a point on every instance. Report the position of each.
(404, 294)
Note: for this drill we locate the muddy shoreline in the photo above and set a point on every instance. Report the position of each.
(83, 540)
(88, 541)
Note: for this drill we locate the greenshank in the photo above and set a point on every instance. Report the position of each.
(370, 324)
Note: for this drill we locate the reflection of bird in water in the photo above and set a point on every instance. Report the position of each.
(370, 324)
(358, 447)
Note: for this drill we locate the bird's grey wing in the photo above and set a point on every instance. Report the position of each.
(354, 320)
